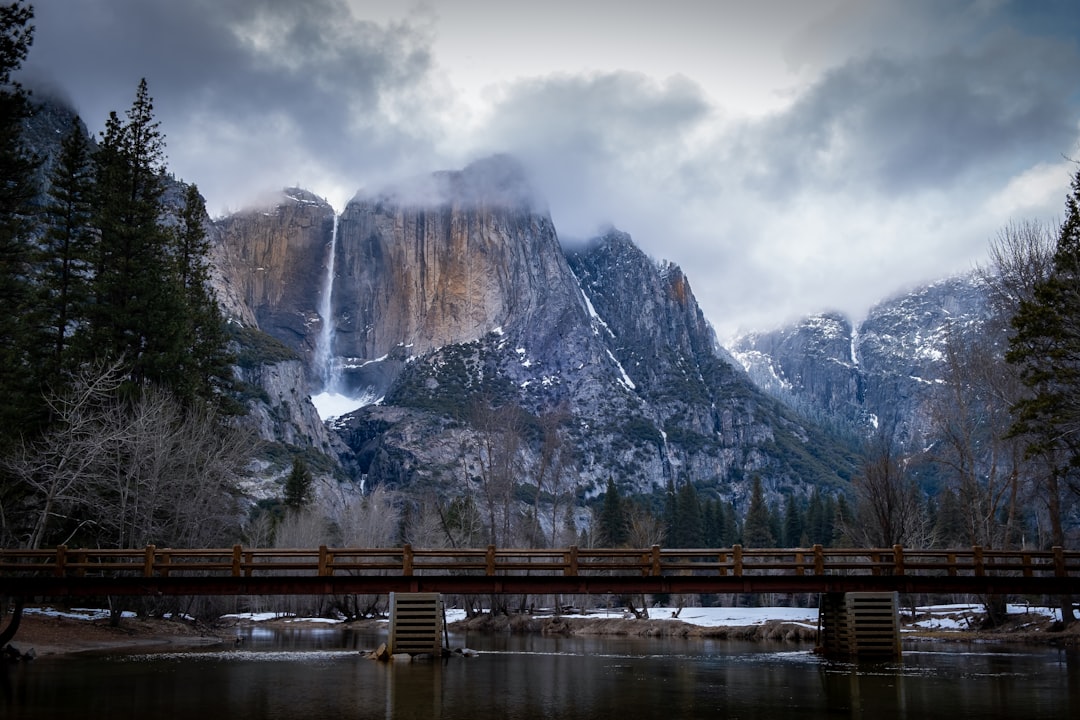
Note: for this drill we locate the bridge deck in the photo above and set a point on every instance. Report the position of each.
(259, 571)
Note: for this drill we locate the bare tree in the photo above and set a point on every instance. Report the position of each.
(889, 508)
(127, 472)
(371, 521)
(971, 419)
(554, 461)
(499, 431)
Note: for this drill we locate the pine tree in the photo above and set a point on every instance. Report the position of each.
(138, 308)
(65, 270)
(299, 485)
(793, 523)
(1046, 348)
(732, 534)
(689, 525)
(205, 372)
(17, 189)
(713, 523)
(756, 530)
(612, 517)
(815, 519)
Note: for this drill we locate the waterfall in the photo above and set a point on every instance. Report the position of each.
(325, 364)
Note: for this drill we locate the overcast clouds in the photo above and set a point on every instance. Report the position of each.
(791, 156)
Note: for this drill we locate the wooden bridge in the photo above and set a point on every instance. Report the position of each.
(71, 572)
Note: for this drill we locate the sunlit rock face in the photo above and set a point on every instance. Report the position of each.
(445, 260)
(272, 260)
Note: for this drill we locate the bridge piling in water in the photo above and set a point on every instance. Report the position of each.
(415, 623)
(859, 624)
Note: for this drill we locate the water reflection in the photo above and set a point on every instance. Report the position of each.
(318, 673)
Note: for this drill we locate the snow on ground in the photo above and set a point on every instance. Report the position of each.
(967, 617)
(933, 617)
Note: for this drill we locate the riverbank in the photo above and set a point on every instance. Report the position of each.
(64, 633)
(46, 631)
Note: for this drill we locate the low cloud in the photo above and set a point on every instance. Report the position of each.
(910, 134)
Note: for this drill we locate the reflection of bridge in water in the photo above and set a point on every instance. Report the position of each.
(70, 572)
(858, 586)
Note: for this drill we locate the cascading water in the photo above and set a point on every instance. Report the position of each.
(328, 369)
(332, 400)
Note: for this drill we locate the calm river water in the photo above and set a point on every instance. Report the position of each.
(318, 673)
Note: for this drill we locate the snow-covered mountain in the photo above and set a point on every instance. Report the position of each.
(873, 375)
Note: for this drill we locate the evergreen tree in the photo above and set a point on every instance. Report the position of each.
(793, 523)
(843, 519)
(949, 521)
(756, 530)
(1046, 348)
(65, 270)
(205, 371)
(137, 314)
(612, 517)
(815, 519)
(299, 485)
(829, 528)
(689, 524)
(713, 523)
(17, 190)
(732, 533)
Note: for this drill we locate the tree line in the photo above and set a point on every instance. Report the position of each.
(114, 361)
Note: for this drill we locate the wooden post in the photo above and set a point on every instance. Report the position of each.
(489, 561)
(148, 561)
(819, 560)
(61, 559)
(166, 558)
(237, 559)
(723, 563)
(406, 560)
(951, 560)
(655, 568)
(1027, 564)
(1059, 561)
(324, 562)
(977, 559)
(571, 568)
(736, 555)
(898, 559)
(799, 563)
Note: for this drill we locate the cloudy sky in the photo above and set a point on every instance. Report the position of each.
(792, 156)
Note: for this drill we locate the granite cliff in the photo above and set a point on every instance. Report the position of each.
(458, 315)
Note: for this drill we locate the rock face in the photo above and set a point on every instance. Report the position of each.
(478, 256)
(454, 303)
(272, 264)
(876, 376)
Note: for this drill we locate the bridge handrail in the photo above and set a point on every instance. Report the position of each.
(570, 561)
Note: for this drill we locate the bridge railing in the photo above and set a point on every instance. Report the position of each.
(736, 561)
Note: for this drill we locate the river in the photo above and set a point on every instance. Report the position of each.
(315, 673)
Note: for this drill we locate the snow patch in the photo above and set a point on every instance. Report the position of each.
(625, 379)
(332, 405)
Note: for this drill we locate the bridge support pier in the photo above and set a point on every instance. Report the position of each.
(859, 624)
(416, 623)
